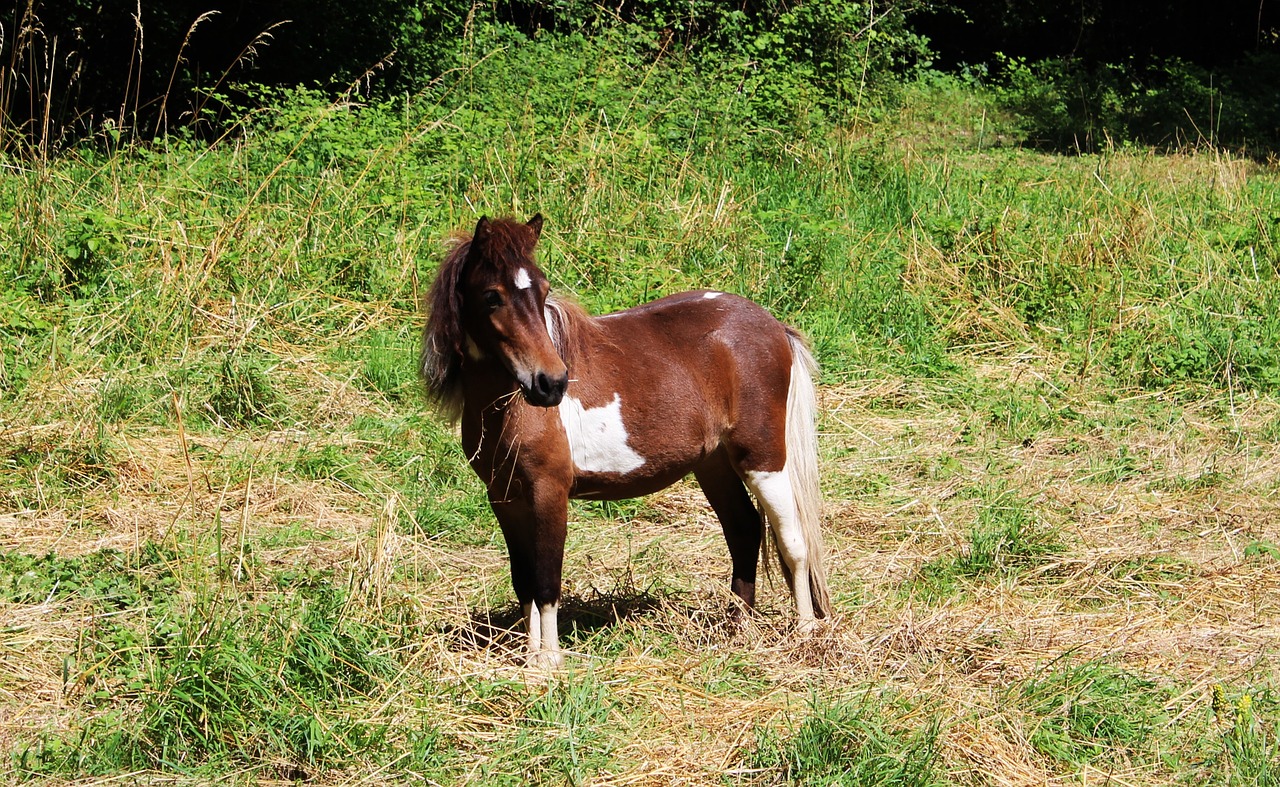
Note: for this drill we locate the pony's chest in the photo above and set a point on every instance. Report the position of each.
(598, 437)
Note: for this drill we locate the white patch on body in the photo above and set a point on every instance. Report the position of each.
(711, 295)
(523, 282)
(597, 437)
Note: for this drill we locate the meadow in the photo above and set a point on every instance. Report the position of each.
(237, 547)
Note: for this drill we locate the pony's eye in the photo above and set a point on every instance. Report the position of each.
(492, 299)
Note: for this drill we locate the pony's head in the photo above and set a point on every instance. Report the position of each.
(488, 302)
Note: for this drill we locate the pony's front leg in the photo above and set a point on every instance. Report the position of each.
(535, 534)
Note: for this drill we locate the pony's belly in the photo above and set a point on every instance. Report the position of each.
(612, 486)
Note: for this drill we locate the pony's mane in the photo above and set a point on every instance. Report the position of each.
(440, 360)
(571, 329)
(443, 341)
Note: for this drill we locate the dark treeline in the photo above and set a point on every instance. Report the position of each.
(1075, 73)
(1078, 73)
(72, 66)
(1098, 31)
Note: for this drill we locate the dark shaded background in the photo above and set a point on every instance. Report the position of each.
(72, 67)
(1209, 34)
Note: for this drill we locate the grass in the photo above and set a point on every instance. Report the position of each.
(1092, 711)
(857, 742)
(234, 546)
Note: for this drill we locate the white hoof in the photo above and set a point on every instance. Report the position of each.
(807, 628)
(545, 660)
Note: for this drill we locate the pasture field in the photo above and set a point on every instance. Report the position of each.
(236, 547)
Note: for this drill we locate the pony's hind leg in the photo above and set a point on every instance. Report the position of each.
(777, 498)
(739, 520)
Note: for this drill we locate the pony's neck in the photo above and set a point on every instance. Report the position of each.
(488, 384)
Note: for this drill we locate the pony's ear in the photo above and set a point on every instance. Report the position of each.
(478, 239)
(535, 224)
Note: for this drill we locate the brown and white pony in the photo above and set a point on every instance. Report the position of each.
(557, 404)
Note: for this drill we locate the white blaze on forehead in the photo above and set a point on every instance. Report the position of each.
(711, 295)
(597, 437)
(523, 282)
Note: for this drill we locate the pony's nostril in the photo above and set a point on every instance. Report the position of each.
(543, 384)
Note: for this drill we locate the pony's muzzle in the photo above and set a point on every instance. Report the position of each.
(546, 390)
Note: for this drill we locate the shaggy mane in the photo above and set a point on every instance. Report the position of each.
(571, 329)
(440, 360)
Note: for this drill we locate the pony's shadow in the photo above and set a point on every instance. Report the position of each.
(579, 618)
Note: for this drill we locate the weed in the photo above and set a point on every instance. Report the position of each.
(942, 468)
(49, 468)
(327, 462)
(109, 579)
(421, 460)
(1250, 737)
(565, 736)
(1263, 549)
(388, 364)
(1156, 573)
(1270, 432)
(243, 393)
(1209, 479)
(127, 400)
(1115, 469)
(1020, 417)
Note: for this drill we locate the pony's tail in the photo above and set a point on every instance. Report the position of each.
(802, 467)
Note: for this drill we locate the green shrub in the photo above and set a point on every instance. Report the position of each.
(1072, 105)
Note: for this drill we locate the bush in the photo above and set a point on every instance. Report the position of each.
(812, 58)
(1070, 105)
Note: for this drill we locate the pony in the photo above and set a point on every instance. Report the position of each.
(555, 404)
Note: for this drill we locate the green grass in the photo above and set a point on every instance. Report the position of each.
(857, 742)
(210, 687)
(1089, 711)
(1006, 539)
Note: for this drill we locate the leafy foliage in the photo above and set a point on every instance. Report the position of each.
(205, 57)
(1071, 105)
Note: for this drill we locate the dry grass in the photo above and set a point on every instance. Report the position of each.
(690, 692)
